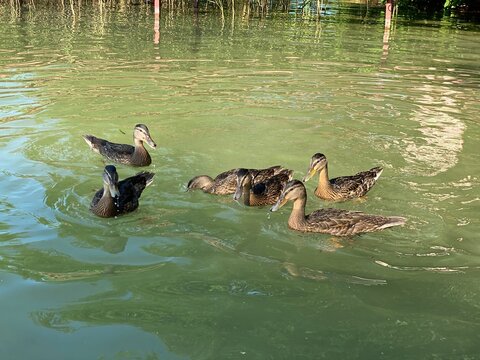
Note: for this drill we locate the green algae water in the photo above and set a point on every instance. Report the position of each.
(194, 276)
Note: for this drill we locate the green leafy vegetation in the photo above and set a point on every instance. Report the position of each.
(435, 7)
(261, 8)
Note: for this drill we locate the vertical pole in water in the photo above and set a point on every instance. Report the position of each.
(386, 32)
(388, 13)
(156, 25)
(195, 5)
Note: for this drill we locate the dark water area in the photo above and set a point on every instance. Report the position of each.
(195, 276)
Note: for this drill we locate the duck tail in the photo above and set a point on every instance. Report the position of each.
(284, 172)
(147, 176)
(289, 173)
(89, 139)
(277, 169)
(393, 221)
(378, 171)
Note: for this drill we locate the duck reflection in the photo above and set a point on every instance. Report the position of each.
(115, 245)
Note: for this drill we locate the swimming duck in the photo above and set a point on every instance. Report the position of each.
(117, 198)
(262, 193)
(122, 153)
(331, 221)
(340, 188)
(226, 182)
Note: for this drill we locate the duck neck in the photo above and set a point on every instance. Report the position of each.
(246, 193)
(140, 154)
(324, 188)
(297, 216)
(106, 204)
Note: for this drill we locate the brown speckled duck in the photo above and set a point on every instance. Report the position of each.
(262, 193)
(340, 188)
(226, 182)
(122, 153)
(117, 198)
(331, 221)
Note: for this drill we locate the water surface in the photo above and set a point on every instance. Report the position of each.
(195, 276)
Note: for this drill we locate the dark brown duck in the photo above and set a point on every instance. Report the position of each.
(135, 155)
(119, 197)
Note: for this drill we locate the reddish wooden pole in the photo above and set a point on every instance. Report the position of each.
(386, 33)
(388, 13)
(156, 25)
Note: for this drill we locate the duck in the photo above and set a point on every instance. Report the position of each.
(332, 221)
(225, 183)
(123, 153)
(119, 197)
(340, 188)
(262, 193)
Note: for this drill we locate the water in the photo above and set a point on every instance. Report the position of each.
(196, 276)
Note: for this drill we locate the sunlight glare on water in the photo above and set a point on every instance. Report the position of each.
(192, 275)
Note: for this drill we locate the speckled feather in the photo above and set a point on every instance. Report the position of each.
(343, 222)
(349, 187)
(225, 183)
(120, 153)
(331, 221)
(268, 191)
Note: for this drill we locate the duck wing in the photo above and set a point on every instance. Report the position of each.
(112, 151)
(225, 182)
(131, 189)
(343, 222)
(268, 192)
(356, 185)
(261, 175)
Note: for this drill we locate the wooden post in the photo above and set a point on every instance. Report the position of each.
(388, 13)
(195, 5)
(386, 32)
(156, 25)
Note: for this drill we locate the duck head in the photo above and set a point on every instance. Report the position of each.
(110, 180)
(317, 163)
(203, 182)
(142, 133)
(292, 191)
(243, 179)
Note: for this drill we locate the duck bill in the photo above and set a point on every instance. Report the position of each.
(113, 190)
(280, 202)
(311, 171)
(150, 142)
(238, 193)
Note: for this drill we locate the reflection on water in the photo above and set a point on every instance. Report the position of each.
(442, 132)
(191, 275)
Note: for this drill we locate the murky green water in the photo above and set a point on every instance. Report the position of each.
(196, 276)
